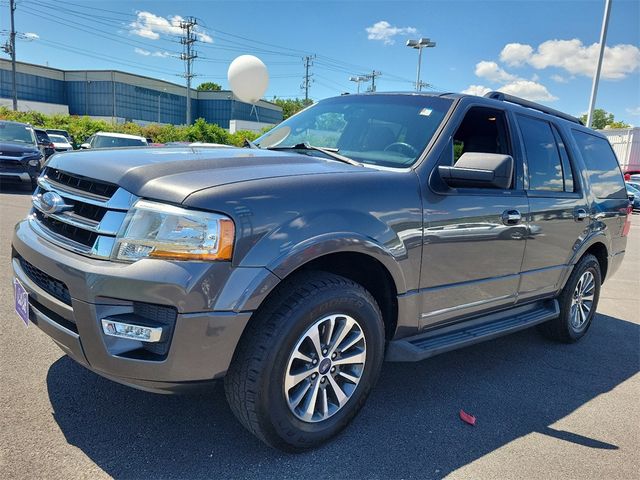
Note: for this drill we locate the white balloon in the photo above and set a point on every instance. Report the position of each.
(248, 78)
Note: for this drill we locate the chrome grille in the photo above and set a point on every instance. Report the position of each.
(90, 218)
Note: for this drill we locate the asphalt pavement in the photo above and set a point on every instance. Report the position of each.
(544, 410)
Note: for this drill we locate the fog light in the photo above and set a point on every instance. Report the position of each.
(130, 331)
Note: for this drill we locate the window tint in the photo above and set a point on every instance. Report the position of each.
(602, 166)
(543, 158)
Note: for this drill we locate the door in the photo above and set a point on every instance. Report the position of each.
(558, 209)
(473, 239)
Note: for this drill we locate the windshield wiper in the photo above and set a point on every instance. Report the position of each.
(329, 152)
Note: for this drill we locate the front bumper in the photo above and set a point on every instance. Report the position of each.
(20, 174)
(208, 321)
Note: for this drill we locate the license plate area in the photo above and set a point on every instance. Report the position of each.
(21, 304)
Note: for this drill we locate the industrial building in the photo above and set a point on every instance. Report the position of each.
(118, 96)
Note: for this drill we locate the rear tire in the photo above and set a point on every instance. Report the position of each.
(578, 302)
(295, 380)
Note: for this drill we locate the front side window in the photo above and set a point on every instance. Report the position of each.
(388, 130)
(542, 154)
(603, 169)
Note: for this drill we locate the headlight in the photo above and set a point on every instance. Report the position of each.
(156, 230)
(34, 163)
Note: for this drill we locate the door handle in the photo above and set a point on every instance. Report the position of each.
(580, 214)
(511, 217)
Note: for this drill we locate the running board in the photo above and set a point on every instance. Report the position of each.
(479, 329)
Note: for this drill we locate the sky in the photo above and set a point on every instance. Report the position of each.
(541, 50)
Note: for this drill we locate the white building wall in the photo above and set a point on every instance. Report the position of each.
(626, 144)
(29, 106)
(237, 125)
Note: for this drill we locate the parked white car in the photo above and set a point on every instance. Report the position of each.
(114, 140)
(60, 143)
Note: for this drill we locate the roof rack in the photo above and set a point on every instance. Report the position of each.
(505, 97)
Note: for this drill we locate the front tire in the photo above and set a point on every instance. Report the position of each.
(578, 302)
(306, 364)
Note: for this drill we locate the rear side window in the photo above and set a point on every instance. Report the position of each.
(602, 166)
(543, 156)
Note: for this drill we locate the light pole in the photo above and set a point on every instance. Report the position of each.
(358, 79)
(596, 75)
(419, 45)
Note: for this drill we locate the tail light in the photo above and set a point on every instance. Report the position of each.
(627, 221)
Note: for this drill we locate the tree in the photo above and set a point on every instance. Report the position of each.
(603, 119)
(209, 87)
(291, 106)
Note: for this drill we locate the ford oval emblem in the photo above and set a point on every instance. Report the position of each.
(51, 202)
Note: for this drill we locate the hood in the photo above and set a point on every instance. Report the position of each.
(172, 174)
(10, 149)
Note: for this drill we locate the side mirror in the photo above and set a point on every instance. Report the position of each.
(84, 146)
(479, 170)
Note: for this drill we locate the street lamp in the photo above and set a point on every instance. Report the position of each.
(419, 45)
(358, 79)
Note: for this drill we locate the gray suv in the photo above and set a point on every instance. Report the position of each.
(366, 228)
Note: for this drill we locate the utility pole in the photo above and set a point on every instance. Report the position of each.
(306, 82)
(372, 76)
(12, 46)
(596, 75)
(188, 56)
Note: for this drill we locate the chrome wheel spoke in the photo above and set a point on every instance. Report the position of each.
(345, 328)
(314, 335)
(309, 406)
(294, 379)
(337, 391)
(325, 404)
(298, 355)
(295, 400)
(348, 376)
(352, 342)
(317, 385)
(351, 359)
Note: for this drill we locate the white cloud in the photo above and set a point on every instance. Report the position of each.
(528, 89)
(478, 90)
(385, 32)
(635, 111)
(533, 91)
(492, 72)
(575, 57)
(148, 25)
(515, 54)
(147, 53)
(31, 36)
(559, 79)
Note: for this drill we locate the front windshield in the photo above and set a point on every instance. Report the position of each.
(385, 129)
(14, 132)
(101, 141)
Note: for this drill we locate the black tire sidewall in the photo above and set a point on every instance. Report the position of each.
(282, 425)
(587, 264)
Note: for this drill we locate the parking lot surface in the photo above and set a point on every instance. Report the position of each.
(544, 410)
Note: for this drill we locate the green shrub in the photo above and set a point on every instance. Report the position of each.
(81, 128)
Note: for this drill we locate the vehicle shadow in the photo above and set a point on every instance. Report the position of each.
(409, 428)
(15, 188)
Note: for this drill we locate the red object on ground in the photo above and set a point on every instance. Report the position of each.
(467, 418)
